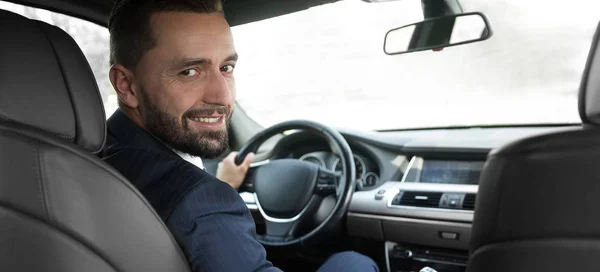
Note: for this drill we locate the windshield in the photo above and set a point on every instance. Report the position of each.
(327, 64)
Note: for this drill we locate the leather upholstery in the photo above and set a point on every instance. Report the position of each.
(589, 92)
(538, 199)
(47, 83)
(61, 208)
(537, 205)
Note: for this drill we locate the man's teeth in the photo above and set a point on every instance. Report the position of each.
(206, 120)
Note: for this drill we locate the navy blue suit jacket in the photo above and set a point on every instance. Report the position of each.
(207, 216)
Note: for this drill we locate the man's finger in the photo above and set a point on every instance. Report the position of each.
(248, 160)
(232, 156)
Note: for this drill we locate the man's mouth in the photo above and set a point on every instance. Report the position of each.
(208, 122)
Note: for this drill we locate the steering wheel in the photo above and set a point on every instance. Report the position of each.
(289, 192)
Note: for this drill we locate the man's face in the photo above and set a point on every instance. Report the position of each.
(185, 82)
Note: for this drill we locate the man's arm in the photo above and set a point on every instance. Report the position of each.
(215, 228)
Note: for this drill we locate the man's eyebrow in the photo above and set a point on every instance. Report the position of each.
(203, 61)
(232, 57)
(193, 62)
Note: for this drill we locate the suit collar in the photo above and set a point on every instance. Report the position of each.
(127, 133)
(197, 161)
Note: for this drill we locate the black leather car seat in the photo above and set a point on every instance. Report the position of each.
(61, 208)
(538, 205)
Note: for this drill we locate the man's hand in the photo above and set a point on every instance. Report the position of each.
(231, 173)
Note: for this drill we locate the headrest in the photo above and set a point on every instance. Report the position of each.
(46, 83)
(589, 91)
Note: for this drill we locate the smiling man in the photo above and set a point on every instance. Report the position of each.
(172, 67)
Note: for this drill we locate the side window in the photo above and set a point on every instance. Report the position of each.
(93, 40)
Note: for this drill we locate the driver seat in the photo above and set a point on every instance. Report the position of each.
(61, 208)
(538, 205)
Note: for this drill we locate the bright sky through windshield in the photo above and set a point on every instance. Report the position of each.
(327, 64)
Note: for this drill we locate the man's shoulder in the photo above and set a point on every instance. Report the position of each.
(157, 172)
(138, 155)
(122, 132)
(162, 178)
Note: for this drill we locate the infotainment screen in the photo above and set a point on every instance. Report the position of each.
(451, 172)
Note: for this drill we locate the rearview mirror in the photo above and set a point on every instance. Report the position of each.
(437, 33)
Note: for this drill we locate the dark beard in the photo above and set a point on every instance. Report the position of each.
(205, 144)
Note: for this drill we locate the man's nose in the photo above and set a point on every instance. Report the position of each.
(218, 90)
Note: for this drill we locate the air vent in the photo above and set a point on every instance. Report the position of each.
(420, 199)
(469, 202)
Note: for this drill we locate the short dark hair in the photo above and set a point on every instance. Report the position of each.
(131, 30)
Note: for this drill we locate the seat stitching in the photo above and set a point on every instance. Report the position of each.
(5, 119)
(40, 26)
(71, 92)
(47, 195)
(42, 194)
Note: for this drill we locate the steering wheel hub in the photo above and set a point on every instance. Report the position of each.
(284, 187)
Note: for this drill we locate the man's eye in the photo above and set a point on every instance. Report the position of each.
(227, 68)
(189, 72)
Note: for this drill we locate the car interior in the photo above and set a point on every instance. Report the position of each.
(481, 197)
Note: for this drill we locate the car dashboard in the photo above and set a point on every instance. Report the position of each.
(416, 190)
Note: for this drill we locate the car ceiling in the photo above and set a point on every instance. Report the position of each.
(237, 11)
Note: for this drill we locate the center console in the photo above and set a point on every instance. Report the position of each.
(426, 217)
(445, 186)
(406, 258)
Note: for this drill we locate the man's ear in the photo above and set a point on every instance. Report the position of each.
(122, 81)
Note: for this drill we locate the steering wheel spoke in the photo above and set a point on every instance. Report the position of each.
(279, 231)
(248, 184)
(327, 182)
(282, 230)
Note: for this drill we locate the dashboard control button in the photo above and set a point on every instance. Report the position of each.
(444, 201)
(399, 252)
(448, 235)
(396, 200)
(379, 195)
(451, 200)
(326, 182)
